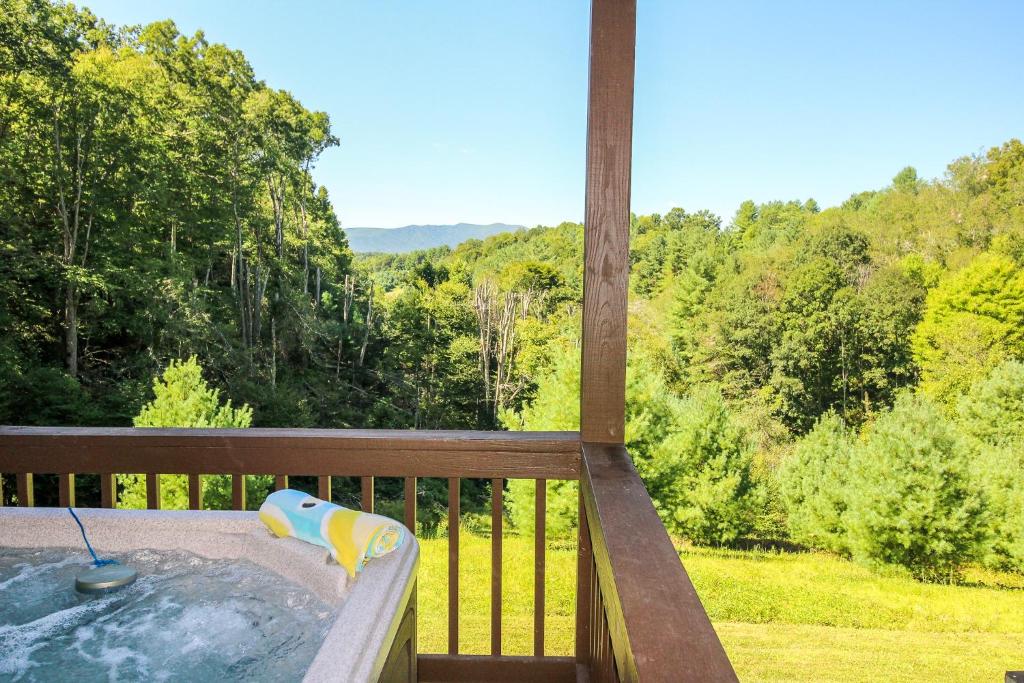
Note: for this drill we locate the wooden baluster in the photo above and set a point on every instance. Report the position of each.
(195, 492)
(453, 565)
(237, 491)
(108, 491)
(153, 491)
(602, 640)
(26, 490)
(280, 482)
(323, 488)
(584, 563)
(66, 490)
(366, 499)
(595, 592)
(496, 531)
(410, 504)
(539, 550)
(1, 490)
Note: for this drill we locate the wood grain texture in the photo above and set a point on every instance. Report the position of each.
(606, 220)
(323, 488)
(497, 516)
(584, 562)
(384, 453)
(478, 668)
(658, 627)
(454, 486)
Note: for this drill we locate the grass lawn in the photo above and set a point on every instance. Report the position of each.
(782, 617)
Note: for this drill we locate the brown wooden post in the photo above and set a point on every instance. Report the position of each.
(366, 494)
(497, 509)
(410, 504)
(108, 490)
(26, 490)
(606, 220)
(238, 491)
(66, 490)
(454, 487)
(153, 491)
(195, 492)
(323, 487)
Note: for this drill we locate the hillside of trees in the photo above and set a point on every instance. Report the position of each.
(849, 379)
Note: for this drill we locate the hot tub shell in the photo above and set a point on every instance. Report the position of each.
(373, 637)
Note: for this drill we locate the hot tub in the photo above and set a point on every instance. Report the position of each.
(343, 630)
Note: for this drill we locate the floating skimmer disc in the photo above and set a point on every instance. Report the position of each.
(104, 579)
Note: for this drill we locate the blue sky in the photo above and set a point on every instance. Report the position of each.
(476, 110)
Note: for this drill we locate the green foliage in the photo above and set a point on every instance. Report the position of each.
(159, 201)
(814, 482)
(692, 455)
(993, 411)
(555, 408)
(182, 398)
(973, 321)
(700, 475)
(910, 498)
(992, 414)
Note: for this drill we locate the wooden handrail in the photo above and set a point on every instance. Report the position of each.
(639, 616)
(657, 628)
(320, 452)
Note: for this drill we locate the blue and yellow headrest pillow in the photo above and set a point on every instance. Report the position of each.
(351, 536)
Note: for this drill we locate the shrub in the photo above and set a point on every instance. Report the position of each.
(813, 482)
(182, 398)
(700, 475)
(911, 500)
(992, 415)
(993, 411)
(999, 473)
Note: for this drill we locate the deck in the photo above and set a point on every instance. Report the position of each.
(637, 614)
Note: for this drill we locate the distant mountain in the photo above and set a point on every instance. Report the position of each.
(413, 237)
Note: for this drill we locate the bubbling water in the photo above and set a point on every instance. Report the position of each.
(186, 618)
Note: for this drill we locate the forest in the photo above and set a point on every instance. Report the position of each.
(848, 379)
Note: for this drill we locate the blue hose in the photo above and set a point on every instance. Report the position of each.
(95, 560)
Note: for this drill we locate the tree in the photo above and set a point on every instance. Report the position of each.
(814, 480)
(700, 475)
(182, 398)
(973, 320)
(993, 411)
(692, 455)
(992, 414)
(911, 501)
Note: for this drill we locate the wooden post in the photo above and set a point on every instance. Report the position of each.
(26, 490)
(66, 490)
(606, 220)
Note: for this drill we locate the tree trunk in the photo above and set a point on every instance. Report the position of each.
(369, 324)
(71, 329)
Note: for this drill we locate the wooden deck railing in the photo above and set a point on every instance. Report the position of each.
(638, 616)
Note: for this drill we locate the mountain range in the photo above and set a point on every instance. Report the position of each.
(413, 237)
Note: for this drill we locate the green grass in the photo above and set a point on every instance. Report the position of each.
(782, 617)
